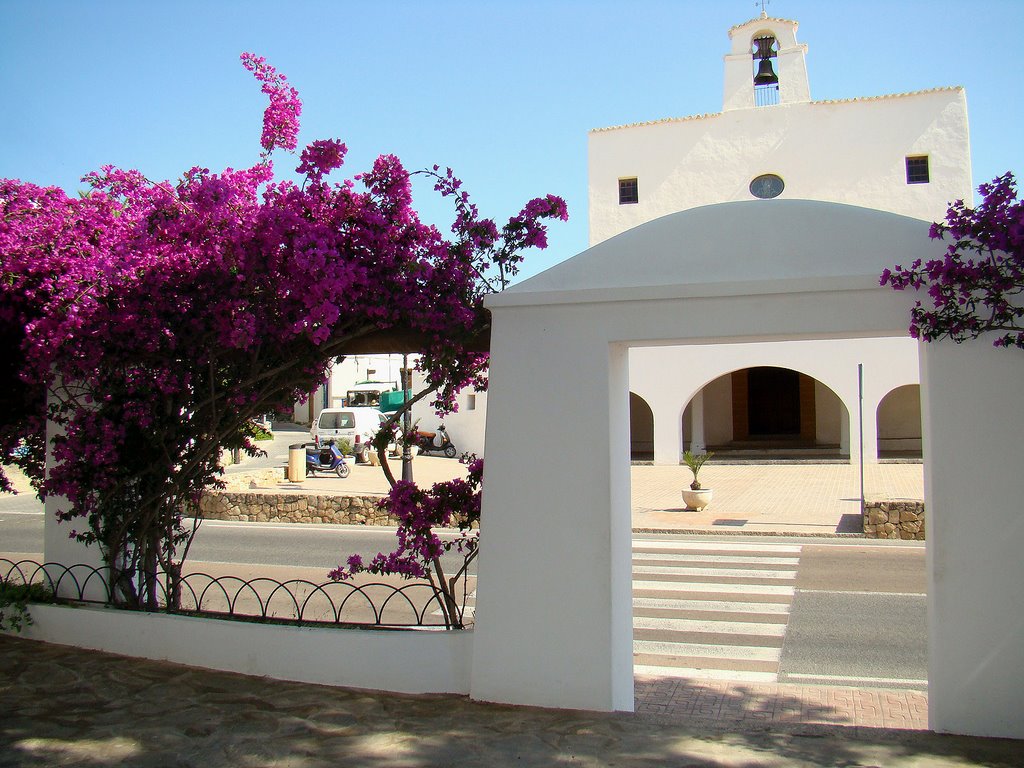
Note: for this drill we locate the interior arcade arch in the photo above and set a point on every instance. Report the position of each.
(641, 429)
(898, 421)
(768, 409)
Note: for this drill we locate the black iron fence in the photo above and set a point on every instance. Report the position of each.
(403, 604)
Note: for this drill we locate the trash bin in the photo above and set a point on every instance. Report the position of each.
(297, 462)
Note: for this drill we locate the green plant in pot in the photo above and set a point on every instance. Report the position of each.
(696, 497)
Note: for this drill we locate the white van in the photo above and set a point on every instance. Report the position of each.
(357, 425)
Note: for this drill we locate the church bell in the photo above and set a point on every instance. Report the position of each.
(765, 74)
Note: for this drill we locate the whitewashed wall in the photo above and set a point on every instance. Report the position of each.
(846, 152)
(971, 396)
(344, 374)
(403, 662)
(465, 427)
(668, 377)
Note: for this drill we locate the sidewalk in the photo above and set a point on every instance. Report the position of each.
(766, 499)
(69, 707)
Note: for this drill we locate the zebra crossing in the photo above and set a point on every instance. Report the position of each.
(711, 610)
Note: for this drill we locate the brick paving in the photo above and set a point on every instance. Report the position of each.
(726, 703)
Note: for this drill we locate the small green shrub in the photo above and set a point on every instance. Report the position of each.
(259, 433)
(14, 600)
(695, 462)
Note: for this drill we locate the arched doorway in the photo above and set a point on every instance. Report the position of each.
(898, 422)
(641, 429)
(768, 409)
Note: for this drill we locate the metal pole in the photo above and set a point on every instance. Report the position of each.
(406, 421)
(860, 409)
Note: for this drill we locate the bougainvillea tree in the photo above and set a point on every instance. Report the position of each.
(978, 286)
(151, 321)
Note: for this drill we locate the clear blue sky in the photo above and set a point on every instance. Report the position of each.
(503, 92)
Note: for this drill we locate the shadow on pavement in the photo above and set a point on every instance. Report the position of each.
(66, 706)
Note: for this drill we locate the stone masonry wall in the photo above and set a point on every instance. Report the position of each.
(894, 519)
(275, 507)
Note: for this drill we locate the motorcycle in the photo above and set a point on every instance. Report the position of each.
(326, 458)
(434, 441)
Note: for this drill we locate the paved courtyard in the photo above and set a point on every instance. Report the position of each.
(779, 499)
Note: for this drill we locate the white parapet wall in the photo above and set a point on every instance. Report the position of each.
(400, 661)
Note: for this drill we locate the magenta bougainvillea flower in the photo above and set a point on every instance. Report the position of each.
(977, 287)
(152, 320)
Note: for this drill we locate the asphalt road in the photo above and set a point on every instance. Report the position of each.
(859, 617)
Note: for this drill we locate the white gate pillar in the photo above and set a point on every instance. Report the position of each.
(60, 548)
(973, 425)
(554, 608)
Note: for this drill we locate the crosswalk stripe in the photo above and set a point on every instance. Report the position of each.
(639, 542)
(648, 545)
(711, 627)
(670, 557)
(640, 604)
(703, 586)
(700, 650)
(742, 676)
(738, 572)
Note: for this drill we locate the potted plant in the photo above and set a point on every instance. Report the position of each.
(696, 497)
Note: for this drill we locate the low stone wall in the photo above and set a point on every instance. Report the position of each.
(274, 507)
(894, 519)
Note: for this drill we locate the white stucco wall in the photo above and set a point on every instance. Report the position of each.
(667, 377)
(465, 427)
(344, 373)
(971, 397)
(403, 662)
(844, 151)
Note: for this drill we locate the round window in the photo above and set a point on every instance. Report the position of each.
(767, 186)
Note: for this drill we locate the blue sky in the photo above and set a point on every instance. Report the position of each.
(503, 92)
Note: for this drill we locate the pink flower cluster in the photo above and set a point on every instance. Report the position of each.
(978, 286)
(281, 118)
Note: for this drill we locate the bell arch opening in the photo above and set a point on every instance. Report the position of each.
(764, 47)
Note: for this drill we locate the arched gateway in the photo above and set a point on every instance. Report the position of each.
(554, 592)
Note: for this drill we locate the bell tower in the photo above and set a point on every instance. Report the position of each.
(766, 65)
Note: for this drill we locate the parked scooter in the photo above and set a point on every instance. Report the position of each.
(326, 458)
(435, 441)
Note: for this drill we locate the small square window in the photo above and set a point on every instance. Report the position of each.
(917, 170)
(470, 402)
(628, 192)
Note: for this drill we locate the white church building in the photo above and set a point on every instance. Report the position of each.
(907, 154)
